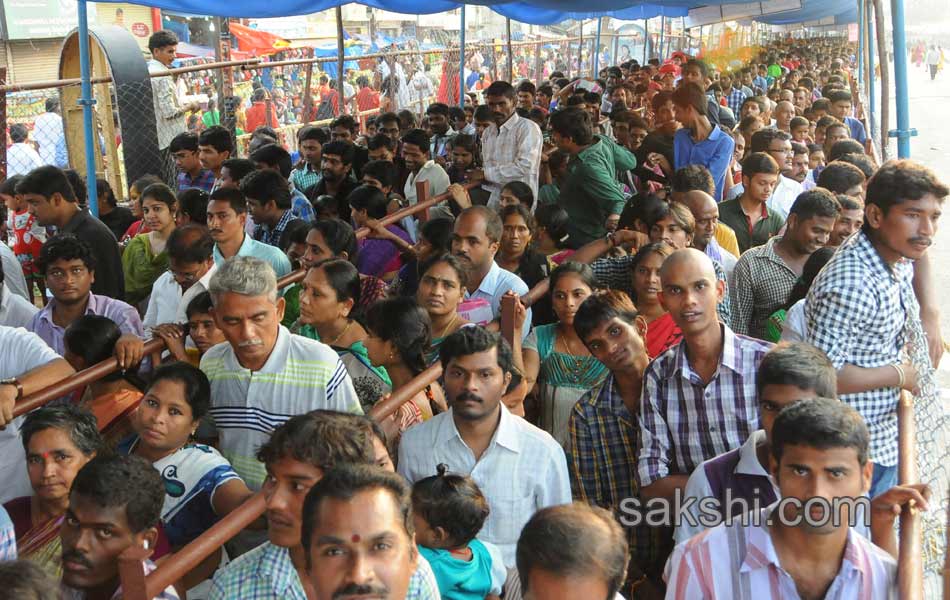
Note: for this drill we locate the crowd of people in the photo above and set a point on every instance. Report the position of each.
(719, 299)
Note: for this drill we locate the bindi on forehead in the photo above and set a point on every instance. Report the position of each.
(355, 539)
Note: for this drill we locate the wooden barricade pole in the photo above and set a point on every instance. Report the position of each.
(422, 194)
(507, 321)
(910, 572)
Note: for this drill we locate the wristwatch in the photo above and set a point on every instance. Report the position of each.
(14, 382)
(610, 239)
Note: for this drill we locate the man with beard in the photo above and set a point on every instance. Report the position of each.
(699, 396)
(861, 309)
(336, 161)
(819, 453)
(518, 467)
(441, 130)
(297, 457)
(359, 536)
(765, 275)
(798, 171)
(227, 216)
(511, 145)
(475, 241)
(115, 503)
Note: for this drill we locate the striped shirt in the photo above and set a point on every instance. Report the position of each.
(603, 462)
(267, 573)
(683, 421)
(761, 283)
(169, 593)
(740, 563)
(856, 312)
(300, 375)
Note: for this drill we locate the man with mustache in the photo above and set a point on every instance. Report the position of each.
(336, 162)
(264, 374)
(699, 397)
(518, 467)
(297, 457)
(227, 218)
(861, 309)
(475, 241)
(765, 275)
(359, 536)
(115, 503)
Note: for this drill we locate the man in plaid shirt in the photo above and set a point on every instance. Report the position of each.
(860, 306)
(699, 397)
(734, 95)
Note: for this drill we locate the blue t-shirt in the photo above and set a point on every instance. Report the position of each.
(857, 129)
(467, 580)
(714, 153)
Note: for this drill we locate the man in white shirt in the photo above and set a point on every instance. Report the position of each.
(475, 240)
(191, 266)
(21, 156)
(264, 374)
(511, 146)
(15, 311)
(13, 278)
(418, 158)
(49, 135)
(27, 365)
(519, 468)
(169, 113)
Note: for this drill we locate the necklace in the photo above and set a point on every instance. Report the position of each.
(447, 327)
(578, 361)
(342, 333)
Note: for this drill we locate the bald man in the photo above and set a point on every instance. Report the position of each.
(706, 213)
(783, 116)
(699, 397)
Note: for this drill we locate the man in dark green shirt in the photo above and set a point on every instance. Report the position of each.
(590, 192)
(748, 215)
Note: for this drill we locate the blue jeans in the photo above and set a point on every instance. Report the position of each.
(883, 479)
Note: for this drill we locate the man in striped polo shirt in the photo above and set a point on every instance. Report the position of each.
(264, 374)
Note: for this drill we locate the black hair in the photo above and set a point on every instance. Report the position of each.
(799, 364)
(312, 132)
(527, 86)
(194, 203)
(345, 150)
(471, 340)
(200, 304)
(699, 64)
(343, 278)
(418, 138)
(218, 138)
(232, 196)
(295, 232)
(522, 211)
(581, 270)
(860, 160)
(93, 338)
(467, 142)
(325, 206)
(346, 121)
(846, 146)
(46, 181)
(197, 388)
(343, 483)
(838, 95)
(187, 140)
(160, 192)
(456, 113)
(482, 113)
(554, 219)
(103, 190)
(759, 162)
(849, 202)
(816, 202)
(18, 133)
(320, 438)
(381, 140)
(388, 117)
(403, 322)
(79, 423)
(65, 246)
(493, 224)
(369, 198)
(438, 232)
(24, 579)
(239, 168)
(438, 108)
(8, 186)
(274, 155)
(898, 181)
(604, 306)
(500, 88)
(522, 191)
(190, 244)
(161, 39)
(762, 139)
(821, 423)
(839, 177)
(383, 171)
(265, 186)
(453, 502)
(448, 259)
(693, 177)
(112, 480)
(78, 183)
(574, 540)
(339, 237)
(573, 123)
(690, 94)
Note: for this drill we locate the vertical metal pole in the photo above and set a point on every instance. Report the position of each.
(86, 101)
(580, 52)
(861, 31)
(662, 35)
(339, 59)
(462, 58)
(903, 132)
(511, 67)
(700, 51)
(646, 38)
(872, 96)
(600, 24)
(538, 65)
(3, 123)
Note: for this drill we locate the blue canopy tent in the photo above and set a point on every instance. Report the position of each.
(536, 12)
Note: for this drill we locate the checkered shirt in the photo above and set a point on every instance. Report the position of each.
(684, 421)
(761, 283)
(269, 236)
(734, 99)
(856, 312)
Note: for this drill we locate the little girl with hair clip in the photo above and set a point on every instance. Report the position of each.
(449, 511)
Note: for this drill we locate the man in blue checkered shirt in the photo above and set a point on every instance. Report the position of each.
(860, 306)
(734, 95)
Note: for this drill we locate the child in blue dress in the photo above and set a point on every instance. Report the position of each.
(449, 511)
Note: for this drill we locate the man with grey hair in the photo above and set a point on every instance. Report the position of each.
(264, 374)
